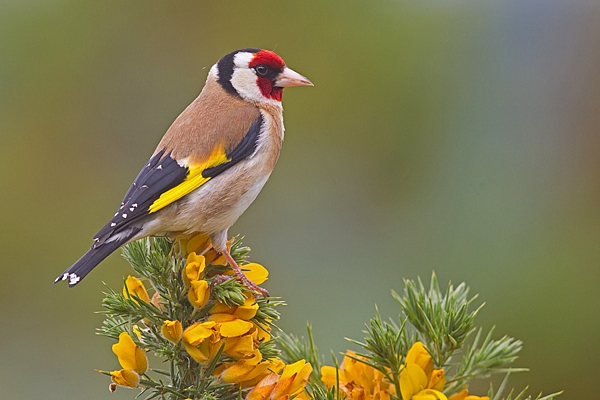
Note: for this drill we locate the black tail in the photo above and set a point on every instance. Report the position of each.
(76, 272)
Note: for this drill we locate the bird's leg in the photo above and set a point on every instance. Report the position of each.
(241, 277)
(179, 248)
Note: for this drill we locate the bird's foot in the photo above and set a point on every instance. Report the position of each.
(250, 285)
(239, 274)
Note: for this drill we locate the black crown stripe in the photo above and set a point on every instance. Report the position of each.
(225, 68)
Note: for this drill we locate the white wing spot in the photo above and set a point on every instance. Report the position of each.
(113, 224)
(134, 205)
(132, 208)
(159, 166)
(73, 279)
(144, 186)
(124, 215)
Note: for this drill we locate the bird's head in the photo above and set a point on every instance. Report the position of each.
(256, 75)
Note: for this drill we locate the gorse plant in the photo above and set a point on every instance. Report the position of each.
(211, 332)
(422, 356)
(218, 340)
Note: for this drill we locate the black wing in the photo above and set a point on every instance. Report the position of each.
(159, 175)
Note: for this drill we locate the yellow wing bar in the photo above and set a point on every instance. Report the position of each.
(193, 180)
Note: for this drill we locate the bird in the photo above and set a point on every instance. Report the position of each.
(210, 164)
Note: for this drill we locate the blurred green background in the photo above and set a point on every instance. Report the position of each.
(455, 136)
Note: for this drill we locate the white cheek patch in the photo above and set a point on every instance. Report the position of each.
(244, 82)
(244, 78)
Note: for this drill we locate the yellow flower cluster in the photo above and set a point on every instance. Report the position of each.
(232, 328)
(418, 379)
(240, 338)
(225, 325)
(358, 381)
(132, 358)
(199, 292)
(133, 361)
(200, 244)
(229, 327)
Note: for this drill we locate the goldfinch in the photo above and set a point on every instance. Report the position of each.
(210, 164)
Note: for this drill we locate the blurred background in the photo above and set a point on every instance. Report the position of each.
(455, 136)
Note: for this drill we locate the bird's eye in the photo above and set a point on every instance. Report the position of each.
(261, 70)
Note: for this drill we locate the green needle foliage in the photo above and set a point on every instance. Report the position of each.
(444, 323)
(443, 320)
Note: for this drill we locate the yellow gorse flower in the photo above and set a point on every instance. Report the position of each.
(419, 355)
(232, 323)
(172, 331)
(229, 325)
(358, 380)
(199, 293)
(125, 377)
(133, 286)
(248, 372)
(292, 381)
(130, 355)
(194, 268)
(226, 326)
(192, 274)
(255, 272)
(418, 379)
(240, 335)
(197, 340)
(247, 311)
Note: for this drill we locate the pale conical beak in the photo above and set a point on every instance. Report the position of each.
(289, 77)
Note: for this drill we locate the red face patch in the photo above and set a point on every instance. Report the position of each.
(268, 90)
(268, 58)
(272, 60)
